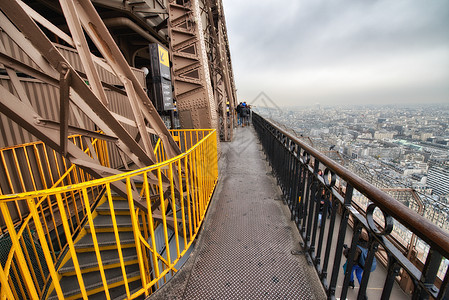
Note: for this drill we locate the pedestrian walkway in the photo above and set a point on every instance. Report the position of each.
(244, 251)
(245, 248)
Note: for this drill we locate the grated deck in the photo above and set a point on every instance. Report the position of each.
(244, 251)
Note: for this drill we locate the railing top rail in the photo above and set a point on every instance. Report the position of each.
(104, 180)
(426, 230)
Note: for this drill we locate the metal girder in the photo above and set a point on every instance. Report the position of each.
(19, 112)
(218, 60)
(99, 34)
(201, 66)
(139, 13)
(74, 92)
(193, 90)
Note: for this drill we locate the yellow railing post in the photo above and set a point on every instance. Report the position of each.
(117, 238)
(181, 197)
(6, 289)
(68, 235)
(19, 254)
(136, 230)
(188, 200)
(45, 249)
(95, 242)
(164, 218)
(150, 221)
(173, 203)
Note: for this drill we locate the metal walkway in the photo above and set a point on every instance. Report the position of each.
(244, 251)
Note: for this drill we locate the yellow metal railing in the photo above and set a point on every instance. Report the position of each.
(176, 192)
(35, 166)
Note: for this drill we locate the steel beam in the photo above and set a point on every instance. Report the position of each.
(20, 113)
(89, 98)
(222, 69)
(193, 90)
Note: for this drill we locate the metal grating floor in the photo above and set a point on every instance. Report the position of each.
(244, 251)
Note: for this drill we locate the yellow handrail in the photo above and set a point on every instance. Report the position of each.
(195, 173)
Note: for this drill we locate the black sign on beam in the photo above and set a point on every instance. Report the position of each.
(161, 78)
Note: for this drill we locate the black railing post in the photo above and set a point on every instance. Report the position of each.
(429, 274)
(350, 260)
(329, 243)
(444, 288)
(322, 229)
(340, 241)
(393, 271)
(290, 160)
(367, 269)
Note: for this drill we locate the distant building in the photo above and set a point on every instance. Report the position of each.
(438, 179)
(383, 134)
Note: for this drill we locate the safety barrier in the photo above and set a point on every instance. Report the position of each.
(43, 237)
(315, 197)
(35, 166)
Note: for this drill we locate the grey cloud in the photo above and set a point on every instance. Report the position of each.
(311, 35)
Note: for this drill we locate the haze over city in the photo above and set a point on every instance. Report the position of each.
(340, 52)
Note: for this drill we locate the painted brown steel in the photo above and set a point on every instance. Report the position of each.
(36, 36)
(54, 57)
(19, 112)
(218, 34)
(193, 91)
(121, 21)
(100, 35)
(427, 231)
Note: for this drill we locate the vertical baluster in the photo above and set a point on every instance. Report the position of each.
(44, 246)
(21, 261)
(350, 259)
(117, 237)
(189, 202)
(136, 230)
(393, 271)
(444, 288)
(6, 287)
(329, 242)
(323, 226)
(151, 227)
(340, 241)
(429, 274)
(367, 269)
(173, 203)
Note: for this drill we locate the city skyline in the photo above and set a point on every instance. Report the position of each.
(403, 148)
(307, 52)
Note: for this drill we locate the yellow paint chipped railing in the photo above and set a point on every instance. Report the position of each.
(175, 191)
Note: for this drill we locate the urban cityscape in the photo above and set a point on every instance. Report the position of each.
(390, 146)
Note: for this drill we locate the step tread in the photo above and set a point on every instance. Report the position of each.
(118, 293)
(105, 239)
(92, 280)
(105, 221)
(89, 259)
(119, 205)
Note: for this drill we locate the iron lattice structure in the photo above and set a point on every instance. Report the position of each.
(77, 103)
(69, 72)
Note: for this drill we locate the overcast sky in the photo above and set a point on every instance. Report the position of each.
(302, 52)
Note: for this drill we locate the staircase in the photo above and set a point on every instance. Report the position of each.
(109, 254)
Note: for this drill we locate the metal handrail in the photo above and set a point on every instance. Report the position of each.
(196, 169)
(297, 166)
(413, 221)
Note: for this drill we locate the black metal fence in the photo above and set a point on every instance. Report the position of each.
(321, 196)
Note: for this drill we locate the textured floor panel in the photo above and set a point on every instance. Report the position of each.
(244, 250)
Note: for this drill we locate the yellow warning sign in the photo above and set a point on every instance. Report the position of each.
(163, 56)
